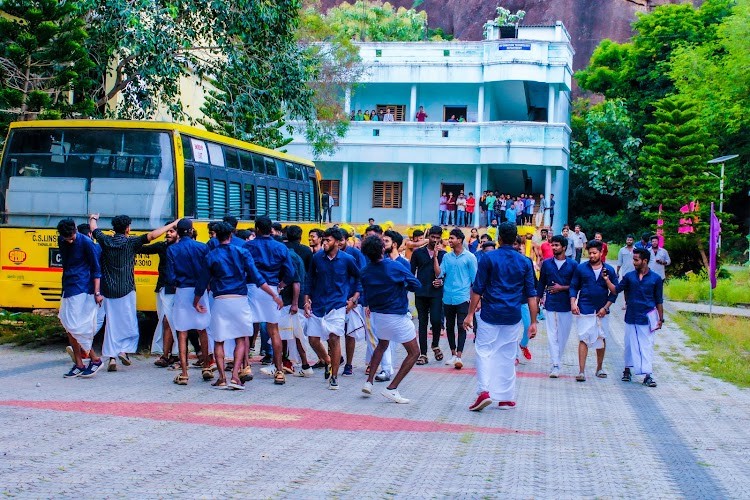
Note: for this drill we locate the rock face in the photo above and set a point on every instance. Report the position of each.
(587, 21)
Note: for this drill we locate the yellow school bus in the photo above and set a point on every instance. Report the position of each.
(152, 171)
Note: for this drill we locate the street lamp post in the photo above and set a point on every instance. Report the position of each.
(720, 160)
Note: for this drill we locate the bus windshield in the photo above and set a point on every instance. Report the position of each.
(49, 174)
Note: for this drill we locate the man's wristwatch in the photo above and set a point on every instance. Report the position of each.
(97, 294)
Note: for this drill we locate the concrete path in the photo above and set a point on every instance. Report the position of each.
(704, 309)
(135, 434)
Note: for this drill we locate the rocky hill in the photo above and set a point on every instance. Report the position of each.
(588, 21)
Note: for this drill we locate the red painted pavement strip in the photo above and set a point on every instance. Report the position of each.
(473, 371)
(272, 417)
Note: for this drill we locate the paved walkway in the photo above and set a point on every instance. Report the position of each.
(135, 434)
(704, 309)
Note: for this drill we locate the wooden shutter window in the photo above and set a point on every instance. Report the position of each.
(386, 194)
(332, 188)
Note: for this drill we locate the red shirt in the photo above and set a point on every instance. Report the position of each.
(604, 251)
(421, 116)
(546, 248)
(470, 204)
(451, 203)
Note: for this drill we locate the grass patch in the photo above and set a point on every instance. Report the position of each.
(724, 345)
(694, 288)
(30, 329)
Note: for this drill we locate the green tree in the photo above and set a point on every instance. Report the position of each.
(375, 21)
(604, 152)
(673, 160)
(43, 61)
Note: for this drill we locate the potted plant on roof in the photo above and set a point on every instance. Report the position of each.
(505, 24)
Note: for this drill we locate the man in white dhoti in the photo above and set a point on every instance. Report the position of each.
(164, 337)
(118, 286)
(590, 301)
(185, 262)
(272, 259)
(328, 299)
(81, 296)
(643, 317)
(227, 269)
(505, 279)
(385, 285)
(553, 291)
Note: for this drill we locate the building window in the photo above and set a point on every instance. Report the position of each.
(398, 111)
(332, 188)
(386, 194)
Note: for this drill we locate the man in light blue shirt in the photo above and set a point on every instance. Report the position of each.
(457, 273)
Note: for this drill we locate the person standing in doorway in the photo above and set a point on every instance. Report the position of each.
(388, 117)
(450, 206)
(461, 210)
(442, 209)
(471, 203)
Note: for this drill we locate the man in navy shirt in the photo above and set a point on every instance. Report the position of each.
(80, 296)
(644, 315)
(554, 282)
(386, 283)
(272, 260)
(505, 280)
(227, 269)
(590, 301)
(236, 240)
(185, 260)
(329, 297)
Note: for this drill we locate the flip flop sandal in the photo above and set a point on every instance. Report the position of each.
(162, 362)
(235, 385)
(422, 360)
(125, 360)
(207, 374)
(279, 378)
(601, 374)
(246, 375)
(438, 353)
(220, 384)
(181, 380)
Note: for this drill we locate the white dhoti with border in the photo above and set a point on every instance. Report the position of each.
(121, 333)
(290, 325)
(78, 316)
(592, 330)
(332, 323)
(184, 315)
(231, 318)
(164, 305)
(386, 363)
(496, 359)
(558, 331)
(356, 326)
(640, 339)
(263, 307)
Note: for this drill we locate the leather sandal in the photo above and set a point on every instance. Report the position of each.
(438, 353)
(279, 378)
(181, 379)
(422, 360)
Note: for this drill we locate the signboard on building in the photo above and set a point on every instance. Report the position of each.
(514, 46)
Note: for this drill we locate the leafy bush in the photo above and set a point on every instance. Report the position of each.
(30, 329)
(685, 256)
(731, 288)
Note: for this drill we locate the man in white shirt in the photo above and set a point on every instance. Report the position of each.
(659, 258)
(625, 257)
(579, 241)
(388, 117)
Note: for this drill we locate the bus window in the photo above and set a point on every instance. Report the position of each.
(215, 154)
(232, 160)
(187, 148)
(261, 207)
(249, 202)
(270, 166)
(189, 191)
(283, 204)
(202, 198)
(281, 170)
(259, 164)
(273, 203)
(293, 214)
(110, 171)
(235, 199)
(246, 161)
(219, 198)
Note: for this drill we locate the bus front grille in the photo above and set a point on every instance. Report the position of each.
(51, 294)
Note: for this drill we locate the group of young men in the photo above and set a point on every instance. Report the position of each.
(304, 296)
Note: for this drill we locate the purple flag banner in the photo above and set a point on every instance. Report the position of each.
(713, 246)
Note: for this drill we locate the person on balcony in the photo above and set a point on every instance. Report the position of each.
(359, 117)
(366, 116)
(421, 115)
(388, 116)
(452, 119)
(374, 116)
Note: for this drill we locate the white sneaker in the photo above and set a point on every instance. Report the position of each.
(304, 372)
(451, 360)
(269, 370)
(367, 389)
(394, 396)
(458, 364)
(555, 373)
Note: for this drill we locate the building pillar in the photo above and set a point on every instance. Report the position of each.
(348, 100)
(410, 196)
(552, 104)
(344, 195)
(547, 192)
(480, 104)
(412, 104)
(477, 192)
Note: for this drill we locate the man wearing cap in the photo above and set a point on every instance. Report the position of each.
(505, 280)
(118, 286)
(275, 265)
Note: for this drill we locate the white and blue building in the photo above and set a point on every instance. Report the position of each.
(514, 95)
